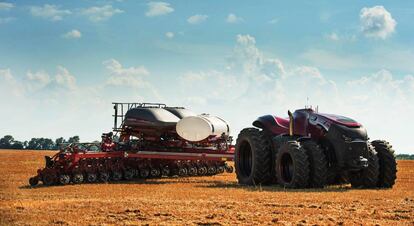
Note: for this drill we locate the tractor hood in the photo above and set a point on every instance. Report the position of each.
(341, 120)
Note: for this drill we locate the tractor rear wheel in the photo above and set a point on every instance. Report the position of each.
(367, 177)
(318, 165)
(253, 157)
(387, 163)
(292, 166)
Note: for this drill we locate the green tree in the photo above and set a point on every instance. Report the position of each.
(6, 141)
(74, 139)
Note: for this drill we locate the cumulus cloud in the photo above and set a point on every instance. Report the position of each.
(169, 34)
(121, 76)
(158, 9)
(197, 19)
(377, 22)
(6, 6)
(41, 80)
(50, 12)
(73, 34)
(97, 14)
(233, 19)
(65, 79)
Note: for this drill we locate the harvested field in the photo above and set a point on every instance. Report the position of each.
(195, 201)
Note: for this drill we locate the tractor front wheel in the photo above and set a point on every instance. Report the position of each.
(292, 166)
(367, 177)
(387, 164)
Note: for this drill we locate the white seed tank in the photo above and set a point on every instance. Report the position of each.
(198, 128)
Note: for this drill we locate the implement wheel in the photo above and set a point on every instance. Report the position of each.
(103, 177)
(77, 178)
(33, 181)
(64, 179)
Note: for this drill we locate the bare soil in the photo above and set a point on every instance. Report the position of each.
(216, 200)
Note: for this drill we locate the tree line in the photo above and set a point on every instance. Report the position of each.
(8, 142)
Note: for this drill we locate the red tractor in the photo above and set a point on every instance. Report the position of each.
(312, 150)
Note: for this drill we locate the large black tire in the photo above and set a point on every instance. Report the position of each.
(367, 177)
(278, 141)
(253, 157)
(387, 164)
(318, 165)
(292, 166)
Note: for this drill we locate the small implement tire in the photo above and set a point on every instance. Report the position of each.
(33, 181)
(292, 166)
(116, 175)
(77, 178)
(144, 172)
(165, 171)
(387, 164)
(129, 174)
(103, 177)
(253, 157)
(64, 179)
(91, 177)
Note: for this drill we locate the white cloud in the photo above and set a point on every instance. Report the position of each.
(50, 12)
(158, 9)
(197, 19)
(332, 36)
(97, 14)
(9, 85)
(6, 6)
(233, 19)
(65, 79)
(73, 34)
(169, 34)
(120, 76)
(42, 78)
(273, 21)
(377, 22)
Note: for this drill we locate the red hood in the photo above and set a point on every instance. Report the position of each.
(342, 120)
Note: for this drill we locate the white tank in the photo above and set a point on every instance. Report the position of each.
(197, 128)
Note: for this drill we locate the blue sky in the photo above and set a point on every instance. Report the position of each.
(62, 63)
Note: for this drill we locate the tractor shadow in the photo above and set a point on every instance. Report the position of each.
(273, 188)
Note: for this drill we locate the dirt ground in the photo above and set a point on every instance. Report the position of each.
(216, 200)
